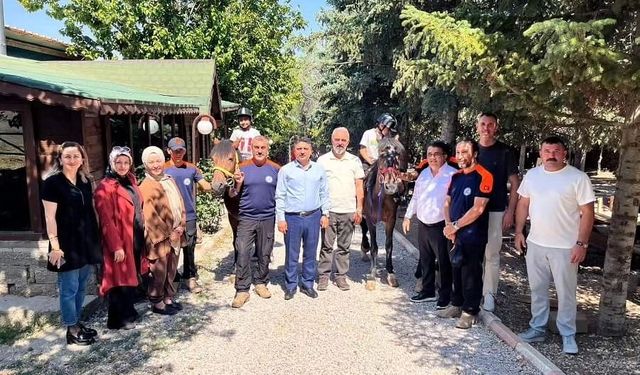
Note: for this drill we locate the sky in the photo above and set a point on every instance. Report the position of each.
(40, 23)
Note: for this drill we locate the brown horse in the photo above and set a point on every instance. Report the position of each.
(383, 186)
(225, 161)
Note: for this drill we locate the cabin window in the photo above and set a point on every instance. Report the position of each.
(14, 201)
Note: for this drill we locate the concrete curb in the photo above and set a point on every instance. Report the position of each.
(22, 312)
(493, 323)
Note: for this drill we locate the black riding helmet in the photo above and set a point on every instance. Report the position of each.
(244, 111)
(386, 120)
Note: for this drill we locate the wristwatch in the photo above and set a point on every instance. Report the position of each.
(582, 244)
(455, 225)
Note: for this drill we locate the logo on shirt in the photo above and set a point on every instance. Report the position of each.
(187, 181)
(466, 192)
(268, 179)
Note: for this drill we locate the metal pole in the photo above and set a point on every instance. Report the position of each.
(3, 40)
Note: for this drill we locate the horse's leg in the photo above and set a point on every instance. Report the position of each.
(365, 246)
(388, 245)
(371, 277)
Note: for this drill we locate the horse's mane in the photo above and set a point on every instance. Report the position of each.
(222, 150)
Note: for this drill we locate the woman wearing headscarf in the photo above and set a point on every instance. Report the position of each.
(119, 206)
(73, 234)
(165, 221)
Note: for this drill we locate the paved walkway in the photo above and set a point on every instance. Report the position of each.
(353, 332)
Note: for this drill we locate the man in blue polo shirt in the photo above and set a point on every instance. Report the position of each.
(256, 181)
(467, 223)
(187, 176)
(302, 208)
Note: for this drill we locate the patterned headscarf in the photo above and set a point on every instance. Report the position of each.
(119, 151)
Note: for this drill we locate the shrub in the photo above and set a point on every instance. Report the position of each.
(209, 208)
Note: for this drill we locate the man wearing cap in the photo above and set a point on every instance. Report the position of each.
(242, 137)
(187, 175)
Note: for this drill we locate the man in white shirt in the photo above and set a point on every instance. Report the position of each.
(242, 137)
(427, 204)
(346, 194)
(558, 199)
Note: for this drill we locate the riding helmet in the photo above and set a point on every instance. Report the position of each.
(244, 111)
(387, 120)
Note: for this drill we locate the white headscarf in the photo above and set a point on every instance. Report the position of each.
(151, 150)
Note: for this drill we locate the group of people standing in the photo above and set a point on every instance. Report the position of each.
(136, 232)
(462, 214)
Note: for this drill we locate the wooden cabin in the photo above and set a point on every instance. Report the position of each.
(99, 104)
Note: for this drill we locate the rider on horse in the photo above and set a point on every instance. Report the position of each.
(386, 126)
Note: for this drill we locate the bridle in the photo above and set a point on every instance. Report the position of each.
(229, 176)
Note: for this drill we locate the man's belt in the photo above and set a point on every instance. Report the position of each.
(303, 213)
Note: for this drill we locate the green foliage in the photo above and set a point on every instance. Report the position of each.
(208, 207)
(543, 74)
(250, 41)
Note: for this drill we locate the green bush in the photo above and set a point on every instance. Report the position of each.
(210, 208)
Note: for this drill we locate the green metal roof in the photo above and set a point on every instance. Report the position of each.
(186, 84)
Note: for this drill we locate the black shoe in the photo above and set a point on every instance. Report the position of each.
(423, 297)
(441, 305)
(124, 326)
(165, 311)
(289, 294)
(174, 305)
(309, 291)
(80, 339)
(89, 331)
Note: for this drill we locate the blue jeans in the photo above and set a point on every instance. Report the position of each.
(305, 229)
(72, 285)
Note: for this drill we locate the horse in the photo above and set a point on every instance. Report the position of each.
(225, 160)
(383, 186)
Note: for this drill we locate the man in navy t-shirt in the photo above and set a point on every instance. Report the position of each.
(187, 176)
(466, 226)
(256, 181)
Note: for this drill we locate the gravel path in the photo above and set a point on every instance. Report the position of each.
(352, 332)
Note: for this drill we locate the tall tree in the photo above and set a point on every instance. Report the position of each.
(578, 69)
(248, 39)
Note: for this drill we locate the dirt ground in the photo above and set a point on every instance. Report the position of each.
(598, 354)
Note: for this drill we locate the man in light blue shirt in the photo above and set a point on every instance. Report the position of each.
(302, 208)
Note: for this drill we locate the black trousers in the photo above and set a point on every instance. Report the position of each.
(433, 246)
(467, 278)
(260, 233)
(121, 309)
(189, 262)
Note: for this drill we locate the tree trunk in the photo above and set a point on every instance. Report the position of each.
(583, 159)
(622, 231)
(600, 160)
(450, 126)
(523, 156)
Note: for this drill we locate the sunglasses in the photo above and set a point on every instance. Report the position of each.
(121, 149)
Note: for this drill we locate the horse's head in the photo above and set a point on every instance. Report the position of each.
(225, 161)
(392, 159)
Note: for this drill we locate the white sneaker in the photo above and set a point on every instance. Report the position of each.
(569, 344)
(489, 303)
